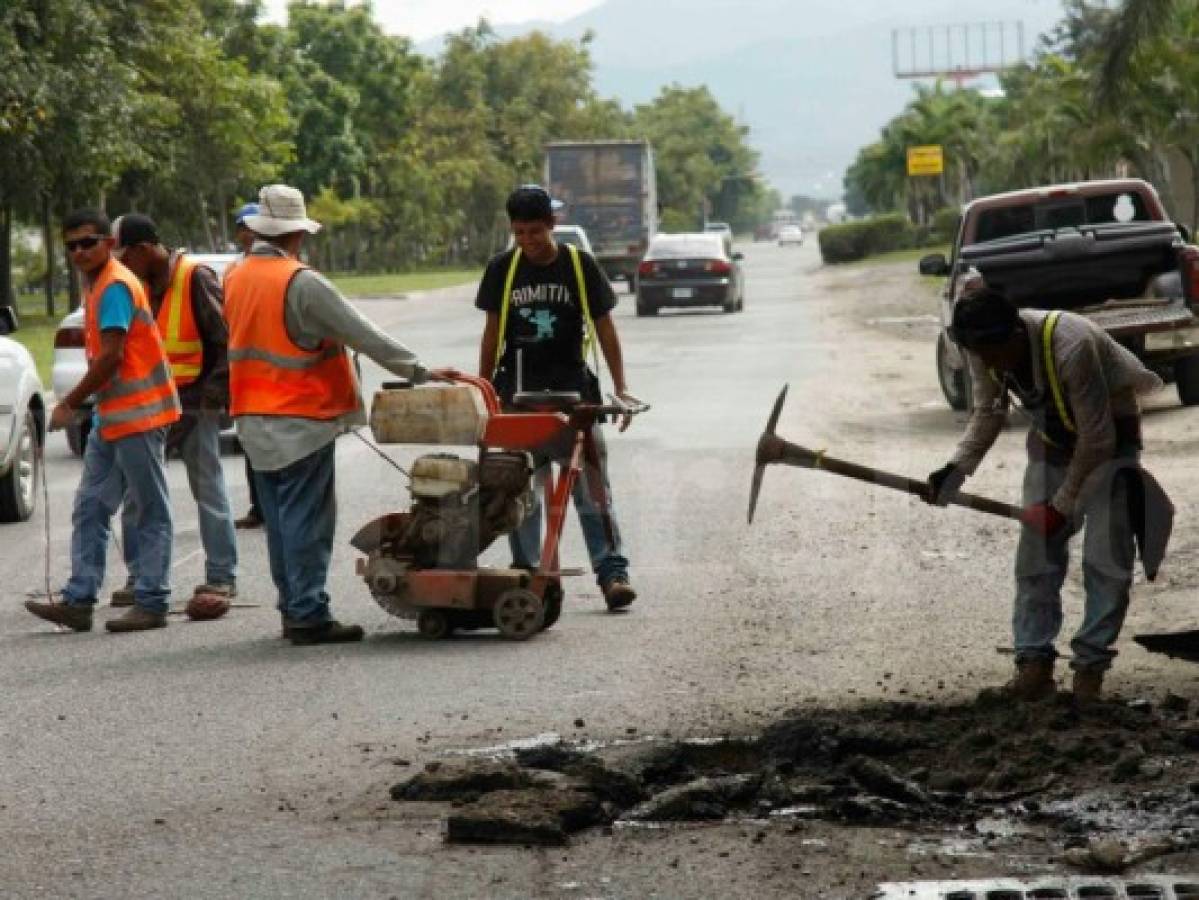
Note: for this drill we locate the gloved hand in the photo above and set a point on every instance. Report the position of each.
(944, 483)
(1043, 518)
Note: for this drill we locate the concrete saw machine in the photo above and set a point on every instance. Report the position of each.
(422, 563)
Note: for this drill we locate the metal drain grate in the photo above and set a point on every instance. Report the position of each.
(1173, 887)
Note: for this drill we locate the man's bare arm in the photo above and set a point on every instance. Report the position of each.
(99, 372)
(488, 345)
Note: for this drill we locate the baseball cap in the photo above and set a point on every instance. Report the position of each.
(530, 202)
(250, 209)
(135, 228)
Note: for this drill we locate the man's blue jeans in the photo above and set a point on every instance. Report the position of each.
(607, 559)
(1108, 555)
(129, 469)
(201, 452)
(299, 509)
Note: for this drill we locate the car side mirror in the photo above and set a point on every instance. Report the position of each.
(1184, 232)
(935, 264)
(8, 320)
(738, 256)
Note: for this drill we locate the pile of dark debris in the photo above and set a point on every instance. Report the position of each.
(1077, 774)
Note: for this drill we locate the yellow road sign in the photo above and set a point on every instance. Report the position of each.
(927, 160)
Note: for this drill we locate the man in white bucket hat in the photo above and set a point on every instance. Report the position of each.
(293, 391)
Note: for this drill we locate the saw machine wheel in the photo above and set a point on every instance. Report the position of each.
(519, 614)
(433, 624)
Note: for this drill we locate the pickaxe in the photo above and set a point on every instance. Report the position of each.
(1151, 512)
(773, 449)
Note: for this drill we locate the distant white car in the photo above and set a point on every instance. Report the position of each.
(70, 360)
(572, 234)
(22, 425)
(790, 234)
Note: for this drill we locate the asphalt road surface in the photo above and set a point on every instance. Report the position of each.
(215, 760)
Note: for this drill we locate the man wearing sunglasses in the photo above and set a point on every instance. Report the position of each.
(1079, 390)
(136, 402)
(186, 301)
(545, 305)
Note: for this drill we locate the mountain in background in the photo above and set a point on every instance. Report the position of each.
(811, 78)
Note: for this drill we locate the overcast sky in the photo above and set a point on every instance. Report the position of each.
(423, 19)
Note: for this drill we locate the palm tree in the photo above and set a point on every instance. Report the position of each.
(1135, 22)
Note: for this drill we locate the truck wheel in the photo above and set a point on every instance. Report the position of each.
(18, 487)
(955, 383)
(646, 309)
(1186, 378)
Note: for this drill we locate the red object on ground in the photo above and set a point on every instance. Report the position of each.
(205, 607)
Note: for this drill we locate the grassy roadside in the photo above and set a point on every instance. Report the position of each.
(394, 285)
(36, 330)
(913, 255)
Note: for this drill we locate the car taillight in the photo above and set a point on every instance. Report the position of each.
(718, 267)
(68, 339)
(647, 268)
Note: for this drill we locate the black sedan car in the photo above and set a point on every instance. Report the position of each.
(689, 270)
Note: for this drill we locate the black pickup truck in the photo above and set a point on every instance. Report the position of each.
(1105, 249)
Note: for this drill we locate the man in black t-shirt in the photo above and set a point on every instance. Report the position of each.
(544, 305)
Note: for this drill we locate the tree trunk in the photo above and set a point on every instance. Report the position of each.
(7, 298)
(48, 247)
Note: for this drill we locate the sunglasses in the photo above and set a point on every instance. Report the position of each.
(83, 243)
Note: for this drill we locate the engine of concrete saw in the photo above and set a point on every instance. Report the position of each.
(459, 507)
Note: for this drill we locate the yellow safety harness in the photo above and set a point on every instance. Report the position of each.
(1055, 384)
(506, 303)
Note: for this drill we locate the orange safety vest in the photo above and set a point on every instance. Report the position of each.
(177, 324)
(269, 374)
(140, 396)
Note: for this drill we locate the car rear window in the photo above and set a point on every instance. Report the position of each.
(1061, 212)
(684, 247)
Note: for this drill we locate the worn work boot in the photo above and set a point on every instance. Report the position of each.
(618, 594)
(331, 632)
(77, 618)
(122, 597)
(1087, 686)
(228, 591)
(137, 619)
(1033, 680)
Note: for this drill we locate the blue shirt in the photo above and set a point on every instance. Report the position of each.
(116, 307)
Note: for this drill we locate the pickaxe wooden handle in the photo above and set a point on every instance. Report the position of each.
(773, 449)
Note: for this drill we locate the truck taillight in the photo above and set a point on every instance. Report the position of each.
(68, 339)
(645, 267)
(1189, 256)
(718, 267)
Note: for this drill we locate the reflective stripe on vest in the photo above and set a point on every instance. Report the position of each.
(506, 302)
(141, 395)
(177, 324)
(269, 375)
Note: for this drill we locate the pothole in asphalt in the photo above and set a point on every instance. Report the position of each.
(1102, 789)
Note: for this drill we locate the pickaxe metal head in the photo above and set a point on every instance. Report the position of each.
(767, 452)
